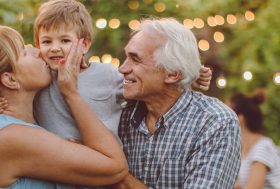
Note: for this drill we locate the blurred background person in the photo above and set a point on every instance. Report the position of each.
(260, 165)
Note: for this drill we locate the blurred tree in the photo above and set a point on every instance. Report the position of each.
(249, 44)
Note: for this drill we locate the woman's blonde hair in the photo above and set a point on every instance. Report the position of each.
(11, 43)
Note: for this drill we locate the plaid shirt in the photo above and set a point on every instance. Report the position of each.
(196, 144)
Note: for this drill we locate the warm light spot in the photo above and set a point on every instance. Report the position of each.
(148, 1)
(177, 5)
(203, 45)
(94, 59)
(188, 23)
(20, 16)
(221, 82)
(29, 45)
(134, 24)
(250, 16)
(134, 4)
(115, 62)
(219, 37)
(211, 21)
(106, 58)
(219, 20)
(114, 23)
(248, 76)
(101, 23)
(231, 19)
(198, 23)
(159, 7)
(276, 78)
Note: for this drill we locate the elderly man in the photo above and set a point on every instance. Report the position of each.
(173, 137)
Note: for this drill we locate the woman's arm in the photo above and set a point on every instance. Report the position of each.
(257, 175)
(37, 153)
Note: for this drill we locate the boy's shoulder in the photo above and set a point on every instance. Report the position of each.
(100, 70)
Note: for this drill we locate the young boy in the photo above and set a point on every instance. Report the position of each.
(58, 23)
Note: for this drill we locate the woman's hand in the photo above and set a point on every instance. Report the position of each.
(68, 70)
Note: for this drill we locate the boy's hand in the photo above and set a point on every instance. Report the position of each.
(68, 70)
(203, 82)
(3, 104)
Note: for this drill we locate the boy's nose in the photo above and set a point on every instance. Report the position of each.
(55, 49)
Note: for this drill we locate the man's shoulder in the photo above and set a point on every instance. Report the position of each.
(213, 107)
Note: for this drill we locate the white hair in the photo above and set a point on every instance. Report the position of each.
(180, 51)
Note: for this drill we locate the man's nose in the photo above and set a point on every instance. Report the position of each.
(124, 68)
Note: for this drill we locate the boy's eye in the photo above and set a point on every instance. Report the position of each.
(46, 42)
(66, 40)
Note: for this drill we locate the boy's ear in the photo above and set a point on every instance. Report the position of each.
(173, 77)
(87, 45)
(9, 80)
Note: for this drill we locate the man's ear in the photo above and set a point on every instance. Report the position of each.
(9, 80)
(173, 77)
(87, 44)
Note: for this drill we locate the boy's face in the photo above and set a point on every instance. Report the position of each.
(55, 45)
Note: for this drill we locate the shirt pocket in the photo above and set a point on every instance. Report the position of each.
(172, 174)
(102, 106)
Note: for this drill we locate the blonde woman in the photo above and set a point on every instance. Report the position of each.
(31, 157)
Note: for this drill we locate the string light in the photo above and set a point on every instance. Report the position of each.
(219, 37)
(134, 24)
(231, 19)
(114, 23)
(159, 7)
(248, 76)
(203, 45)
(101, 23)
(106, 58)
(211, 21)
(249, 15)
(198, 23)
(219, 20)
(94, 59)
(115, 62)
(276, 78)
(221, 82)
(133, 5)
(188, 23)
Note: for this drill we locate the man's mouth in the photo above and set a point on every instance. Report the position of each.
(128, 81)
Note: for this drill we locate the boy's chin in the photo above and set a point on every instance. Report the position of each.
(53, 67)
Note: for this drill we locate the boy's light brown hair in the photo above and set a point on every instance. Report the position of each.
(68, 14)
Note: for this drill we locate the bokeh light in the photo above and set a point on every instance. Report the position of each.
(101, 23)
(114, 23)
(276, 78)
(221, 82)
(203, 45)
(219, 37)
(159, 7)
(247, 75)
(106, 58)
(134, 24)
(94, 59)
